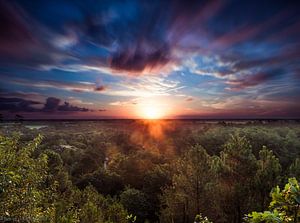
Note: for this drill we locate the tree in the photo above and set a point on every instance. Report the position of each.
(154, 182)
(267, 175)
(136, 203)
(57, 174)
(22, 177)
(236, 179)
(132, 167)
(96, 208)
(284, 207)
(189, 193)
(31, 192)
(294, 169)
(105, 182)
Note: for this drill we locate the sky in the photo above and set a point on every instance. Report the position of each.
(149, 59)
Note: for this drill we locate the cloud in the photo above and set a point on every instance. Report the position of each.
(189, 99)
(254, 79)
(100, 88)
(16, 33)
(286, 57)
(31, 96)
(18, 105)
(131, 102)
(210, 65)
(145, 86)
(62, 85)
(66, 107)
(133, 38)
(141, 40)
(138, 60)
(51, 105)
(25, 42)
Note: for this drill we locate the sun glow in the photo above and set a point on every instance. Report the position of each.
(152, 113)
(152, 110)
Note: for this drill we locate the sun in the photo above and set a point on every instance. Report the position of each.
(151, 110)
(152, 113)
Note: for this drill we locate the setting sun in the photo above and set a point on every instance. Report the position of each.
(152, 113)
(152, 109)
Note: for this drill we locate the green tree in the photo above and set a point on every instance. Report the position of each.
(189, 193)
(95, 208)
(22, 178)
(267, 175)
(106, 182)
(136, 203)
(294, 169)
(284, 207)
(154, 182)
(236, 180)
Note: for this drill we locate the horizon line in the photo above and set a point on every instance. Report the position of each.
(162, 119)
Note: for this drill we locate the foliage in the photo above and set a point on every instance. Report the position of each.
(30, 191)
(267, 175)
(22, 195)
(111, 171)
(200, 219)
(294, 169)
(236, 177)
(190, 188)
(285, 205)
(266, 217)
(135, 202)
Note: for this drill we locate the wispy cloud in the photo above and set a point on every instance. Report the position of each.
(146, 86)
(67, 86)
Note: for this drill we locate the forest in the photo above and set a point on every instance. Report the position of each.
(124, 171)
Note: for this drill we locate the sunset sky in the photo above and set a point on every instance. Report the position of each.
(150, 59)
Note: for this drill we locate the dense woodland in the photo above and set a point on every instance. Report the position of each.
(155, 171)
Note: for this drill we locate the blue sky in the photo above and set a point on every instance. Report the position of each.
(125, 59)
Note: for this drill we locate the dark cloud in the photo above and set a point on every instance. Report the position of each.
(18, 105)
(52, 104)
(282, 59)
(23, 41)
(139, 60)
(100, 88)
(255, 79)
(142, 38)
(70, 108)
(19, 94)
(16, 31)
